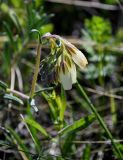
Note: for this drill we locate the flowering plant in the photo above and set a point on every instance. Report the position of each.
(61, 61)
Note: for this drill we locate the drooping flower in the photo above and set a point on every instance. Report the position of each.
(65, 55)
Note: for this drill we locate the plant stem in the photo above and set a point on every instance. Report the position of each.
(23, 96)
(99, 118)
(36, 71)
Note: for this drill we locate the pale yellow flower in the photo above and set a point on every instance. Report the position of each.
(69, 54)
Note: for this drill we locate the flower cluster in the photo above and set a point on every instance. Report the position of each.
(64, 55)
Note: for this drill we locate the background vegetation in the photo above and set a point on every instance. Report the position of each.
(58, 124)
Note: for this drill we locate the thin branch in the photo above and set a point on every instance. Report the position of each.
(119, 89)
(86, 4)
(97, 142)
(104, 93)
(21, 95)
(26, 97)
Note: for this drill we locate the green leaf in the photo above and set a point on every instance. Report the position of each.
(63, 105)
(13, 98)
(52, 107)
(4, 7)
(21, 146)
(36, 125)
(15, 19)
(9, 32)
(39, 92)
(80, 124)
(38, 3)
(33, 133)
(6, 56)
(17, 4)
(68, 144)
(46, 28)
(3, 85)
(86, 152)
(36, 31)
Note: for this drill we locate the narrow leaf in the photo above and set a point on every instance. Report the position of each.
(42, 90)
(9, 32)
(80, 124)
(52, 107)
(36, 31)
(33, 133)
(20, 144)
(15, 19)
(63, 107)
(86, 152)
(3, 85)
(68, 144)
(36, 125)
(13, 98)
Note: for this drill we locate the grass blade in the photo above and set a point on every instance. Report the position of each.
(36, 125)
(52, 107)
(80, 124)
(15, 19)
(64, 104)
(33, 133)
(68, 144)
(21, 146)
(9, 32)
(86, 152)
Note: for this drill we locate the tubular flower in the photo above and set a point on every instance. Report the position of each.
(65, 55)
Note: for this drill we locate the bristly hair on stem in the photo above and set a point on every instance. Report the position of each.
(36, 71)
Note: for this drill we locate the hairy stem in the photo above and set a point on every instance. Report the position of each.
(36, 71)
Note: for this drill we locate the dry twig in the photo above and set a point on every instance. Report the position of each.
(86, 4)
